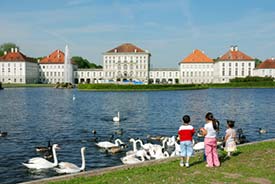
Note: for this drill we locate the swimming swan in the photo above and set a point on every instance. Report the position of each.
(70, 168)
(107, 144)
(41, 163)
(116, 118)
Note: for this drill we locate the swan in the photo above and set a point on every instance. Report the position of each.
(74, 98)
(116, 118)
(70, 168)
(41, 163)
(131, 159)
(198, 146)
(107, 144)
(44, 148)
(262, 131)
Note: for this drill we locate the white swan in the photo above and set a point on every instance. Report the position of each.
(107, 144)
(116, 118)
(131, 159)
(198, 146)
(69, 168)
(41, 163)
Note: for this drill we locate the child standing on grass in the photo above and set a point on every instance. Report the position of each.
(210, 142)
(229, 139)
(186, 132)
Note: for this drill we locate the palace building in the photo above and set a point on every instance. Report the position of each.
(15, 67)
(128, 63)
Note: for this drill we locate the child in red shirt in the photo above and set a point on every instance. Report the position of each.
(186, 133)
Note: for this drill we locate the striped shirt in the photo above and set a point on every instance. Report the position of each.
(186, 132)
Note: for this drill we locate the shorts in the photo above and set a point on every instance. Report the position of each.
(186, 148)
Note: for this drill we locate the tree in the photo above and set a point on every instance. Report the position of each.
(257, 62)
(7, 47)
(84, 63)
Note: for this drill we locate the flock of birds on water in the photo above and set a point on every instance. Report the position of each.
(140, 152)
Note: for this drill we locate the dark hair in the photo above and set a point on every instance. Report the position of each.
(215, 122)
(230, 123)
(186, 119)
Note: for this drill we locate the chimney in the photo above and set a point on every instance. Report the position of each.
(272, 59)
(115, 50)
(135, 50)
(12, 49)
(5, 52)
(236, 48)
(15, 49)
(232, 47)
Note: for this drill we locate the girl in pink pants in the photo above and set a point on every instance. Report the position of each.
(210, 142)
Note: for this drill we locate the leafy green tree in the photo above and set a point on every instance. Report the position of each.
(257, 62)
(7, 47)
(84, 63)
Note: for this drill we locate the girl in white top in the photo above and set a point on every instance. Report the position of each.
(230, 136)
(210, 142)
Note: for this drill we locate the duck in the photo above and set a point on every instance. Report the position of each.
(3, 134)
(262, 131)
(70, 168)
(116, 118)
(41, 163)
(107, 144)
(44, 148)
(119, 132)
(155, 138)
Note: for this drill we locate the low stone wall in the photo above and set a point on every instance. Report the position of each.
(97, 172)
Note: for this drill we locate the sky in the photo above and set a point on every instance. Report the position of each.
(169, 29)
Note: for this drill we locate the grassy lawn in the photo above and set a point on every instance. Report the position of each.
(26, 85)
(251, 164)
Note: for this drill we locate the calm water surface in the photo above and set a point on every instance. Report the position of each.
(32, 116)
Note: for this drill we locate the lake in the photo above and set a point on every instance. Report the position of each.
(32, 116)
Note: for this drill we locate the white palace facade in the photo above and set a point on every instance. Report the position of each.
(128, 63)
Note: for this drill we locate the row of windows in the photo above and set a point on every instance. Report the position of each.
(197, 74)
(236, 72)
(120, 62)
(52, 74)
(9, 70)
(236, 64)
(169, 74)
(14, 80)
(125, 74)
(9, 64)
(197, 80)
(197, 66)
(52, 66)
(125, 67)
(125, 57)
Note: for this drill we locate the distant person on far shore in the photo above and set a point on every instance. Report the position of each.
(210, 130)
(186, 132)
(230, 137)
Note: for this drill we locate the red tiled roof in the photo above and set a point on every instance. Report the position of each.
(197, 56)
(126, 47)
(235, 55)
(269, 63)
(17, 56)
(56, 57)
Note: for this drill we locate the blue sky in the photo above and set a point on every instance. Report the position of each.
(169, 29)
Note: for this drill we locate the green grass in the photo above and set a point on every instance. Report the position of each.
(250, 164)
(26, 85)
(124, 87)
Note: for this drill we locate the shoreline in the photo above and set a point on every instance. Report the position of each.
(101, 171)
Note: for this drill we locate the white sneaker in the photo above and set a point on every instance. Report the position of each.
(181, 163)
(186, 164)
